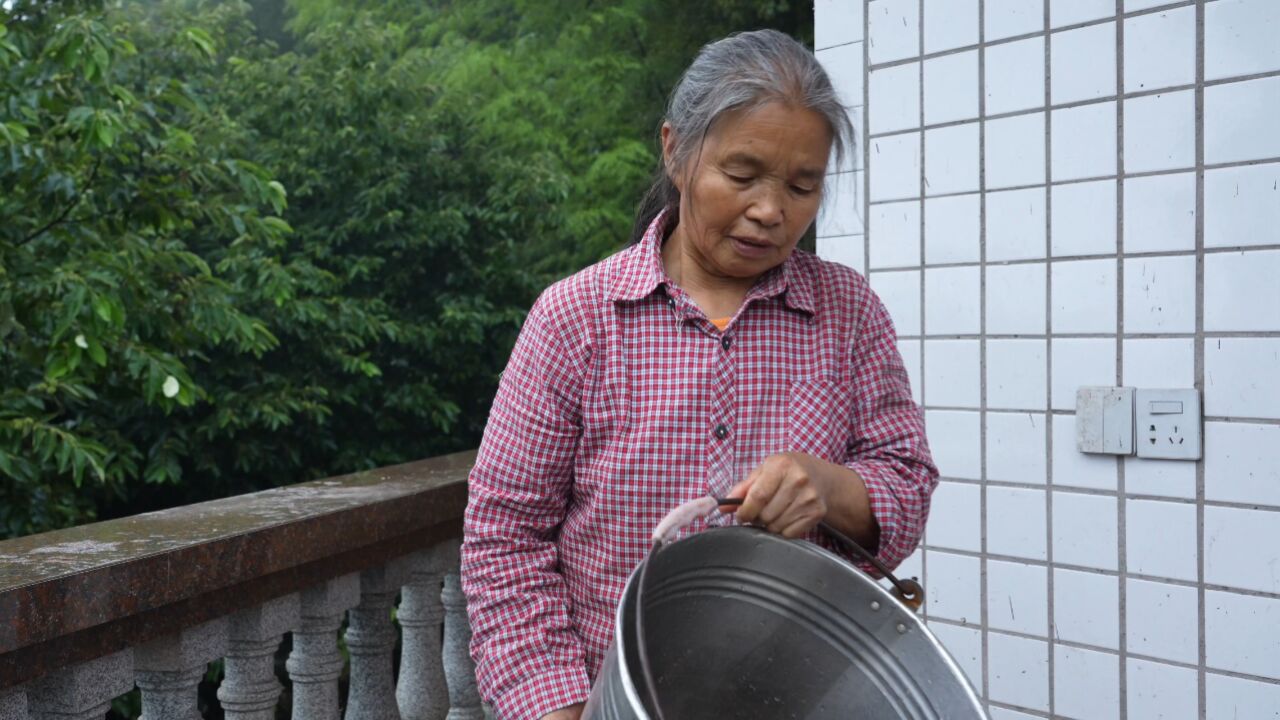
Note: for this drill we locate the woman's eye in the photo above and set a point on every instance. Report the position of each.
(740, 179)
(802, 190)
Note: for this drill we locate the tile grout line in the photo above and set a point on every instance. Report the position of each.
(1229, 250)
(1198, 346)
(983, 583)
(1048, 353)
(1122, 506)
(924, 559)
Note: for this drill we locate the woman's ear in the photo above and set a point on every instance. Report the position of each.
(668, 153)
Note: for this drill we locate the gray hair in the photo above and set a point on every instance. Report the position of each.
(743, 71)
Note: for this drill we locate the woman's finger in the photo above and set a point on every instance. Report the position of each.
(762, 486)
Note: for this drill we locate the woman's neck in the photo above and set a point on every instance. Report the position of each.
(718, 295)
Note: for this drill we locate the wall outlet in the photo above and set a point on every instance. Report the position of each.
(1169, 424)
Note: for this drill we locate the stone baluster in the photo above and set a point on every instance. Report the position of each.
(371, 640)
(459, 670)
(315, 663)
(422, 692)
(13, 704)
(83, 691)
(169, 670)
(249, 689)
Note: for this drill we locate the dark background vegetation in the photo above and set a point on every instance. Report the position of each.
(245, 244)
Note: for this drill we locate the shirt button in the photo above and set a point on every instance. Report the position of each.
(671, 302)
(722, 432)
(725, 343)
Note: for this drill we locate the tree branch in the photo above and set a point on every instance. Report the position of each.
(67, 211)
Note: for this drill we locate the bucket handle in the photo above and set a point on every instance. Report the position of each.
(907, 591)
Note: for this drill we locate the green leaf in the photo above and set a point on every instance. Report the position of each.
(98, 354)
(102, 306)
(202, 40)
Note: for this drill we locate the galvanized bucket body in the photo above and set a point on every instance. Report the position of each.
(741, 623)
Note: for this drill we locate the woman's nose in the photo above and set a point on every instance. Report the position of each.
(766, 207)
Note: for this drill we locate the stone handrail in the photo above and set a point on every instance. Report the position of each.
(89, 612)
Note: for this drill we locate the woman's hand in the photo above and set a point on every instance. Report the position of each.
(790, 493)
(573, 712)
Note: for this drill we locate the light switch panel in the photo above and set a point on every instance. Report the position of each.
(1169, 424)
(1104, 420)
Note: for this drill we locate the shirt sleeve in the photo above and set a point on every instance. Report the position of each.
(529, 658)
(888, 448)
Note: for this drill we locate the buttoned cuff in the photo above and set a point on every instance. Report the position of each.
(544, 693)
(880, 482)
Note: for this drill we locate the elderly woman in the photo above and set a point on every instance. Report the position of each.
(709, 357)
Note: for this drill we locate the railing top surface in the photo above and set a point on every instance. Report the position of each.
(58, 583)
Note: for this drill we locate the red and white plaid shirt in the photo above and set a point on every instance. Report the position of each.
(621, 400)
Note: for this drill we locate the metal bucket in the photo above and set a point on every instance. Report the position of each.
(741, 623)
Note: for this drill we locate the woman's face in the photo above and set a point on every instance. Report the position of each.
(754, 190)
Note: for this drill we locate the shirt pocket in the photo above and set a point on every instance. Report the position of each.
(818, 417)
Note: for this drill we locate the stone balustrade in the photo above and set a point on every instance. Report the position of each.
(88, 613)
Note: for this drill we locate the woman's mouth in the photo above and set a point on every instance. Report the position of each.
(751, 247)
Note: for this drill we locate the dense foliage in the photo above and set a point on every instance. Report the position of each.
(253, 244)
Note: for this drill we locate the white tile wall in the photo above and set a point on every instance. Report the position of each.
(1104, 555)
(1242, 463)
(1239, 120)
(1016, 522)
(955, 517)
(1016, 374)
(841, 212)
(1086, 684)
(1240, 377)
(1083, 63)
(1016, 299)
(951, 159)
(895, 234)
(1084, 530)
(1015, 76)
(1086, 608)
(1015, 151)
(1160, 132)
(1166, 478)
(1231, 697)
(1007, 18)
(1078, 362)
(1018, 671)
(1161, 620)
(1070, 12)
(1160, 213)
(1015, 224)
(894, 29)
(1084, 141)
(1016, 447)
(1160, 50)
(1160, 294)
(1242, 633)
(1238, 545)
(1084, 296)
(999, 713)
(952, 300)
(1240, 38)
(895, 98)
(1241, 206)
(951, 373)
(1018, 597)
(1161, 539)
(952, 229)
(1159, 363)
(1242, 291)
(1161, 692)
(1084, 218)
(1072, 468)
(950, 24)
(954, 439)
(897, 158)
(841, 23)
(965, 646)
(953, 589)
(951, 88)
(847, 250)
(900, 292)
(844, 66)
